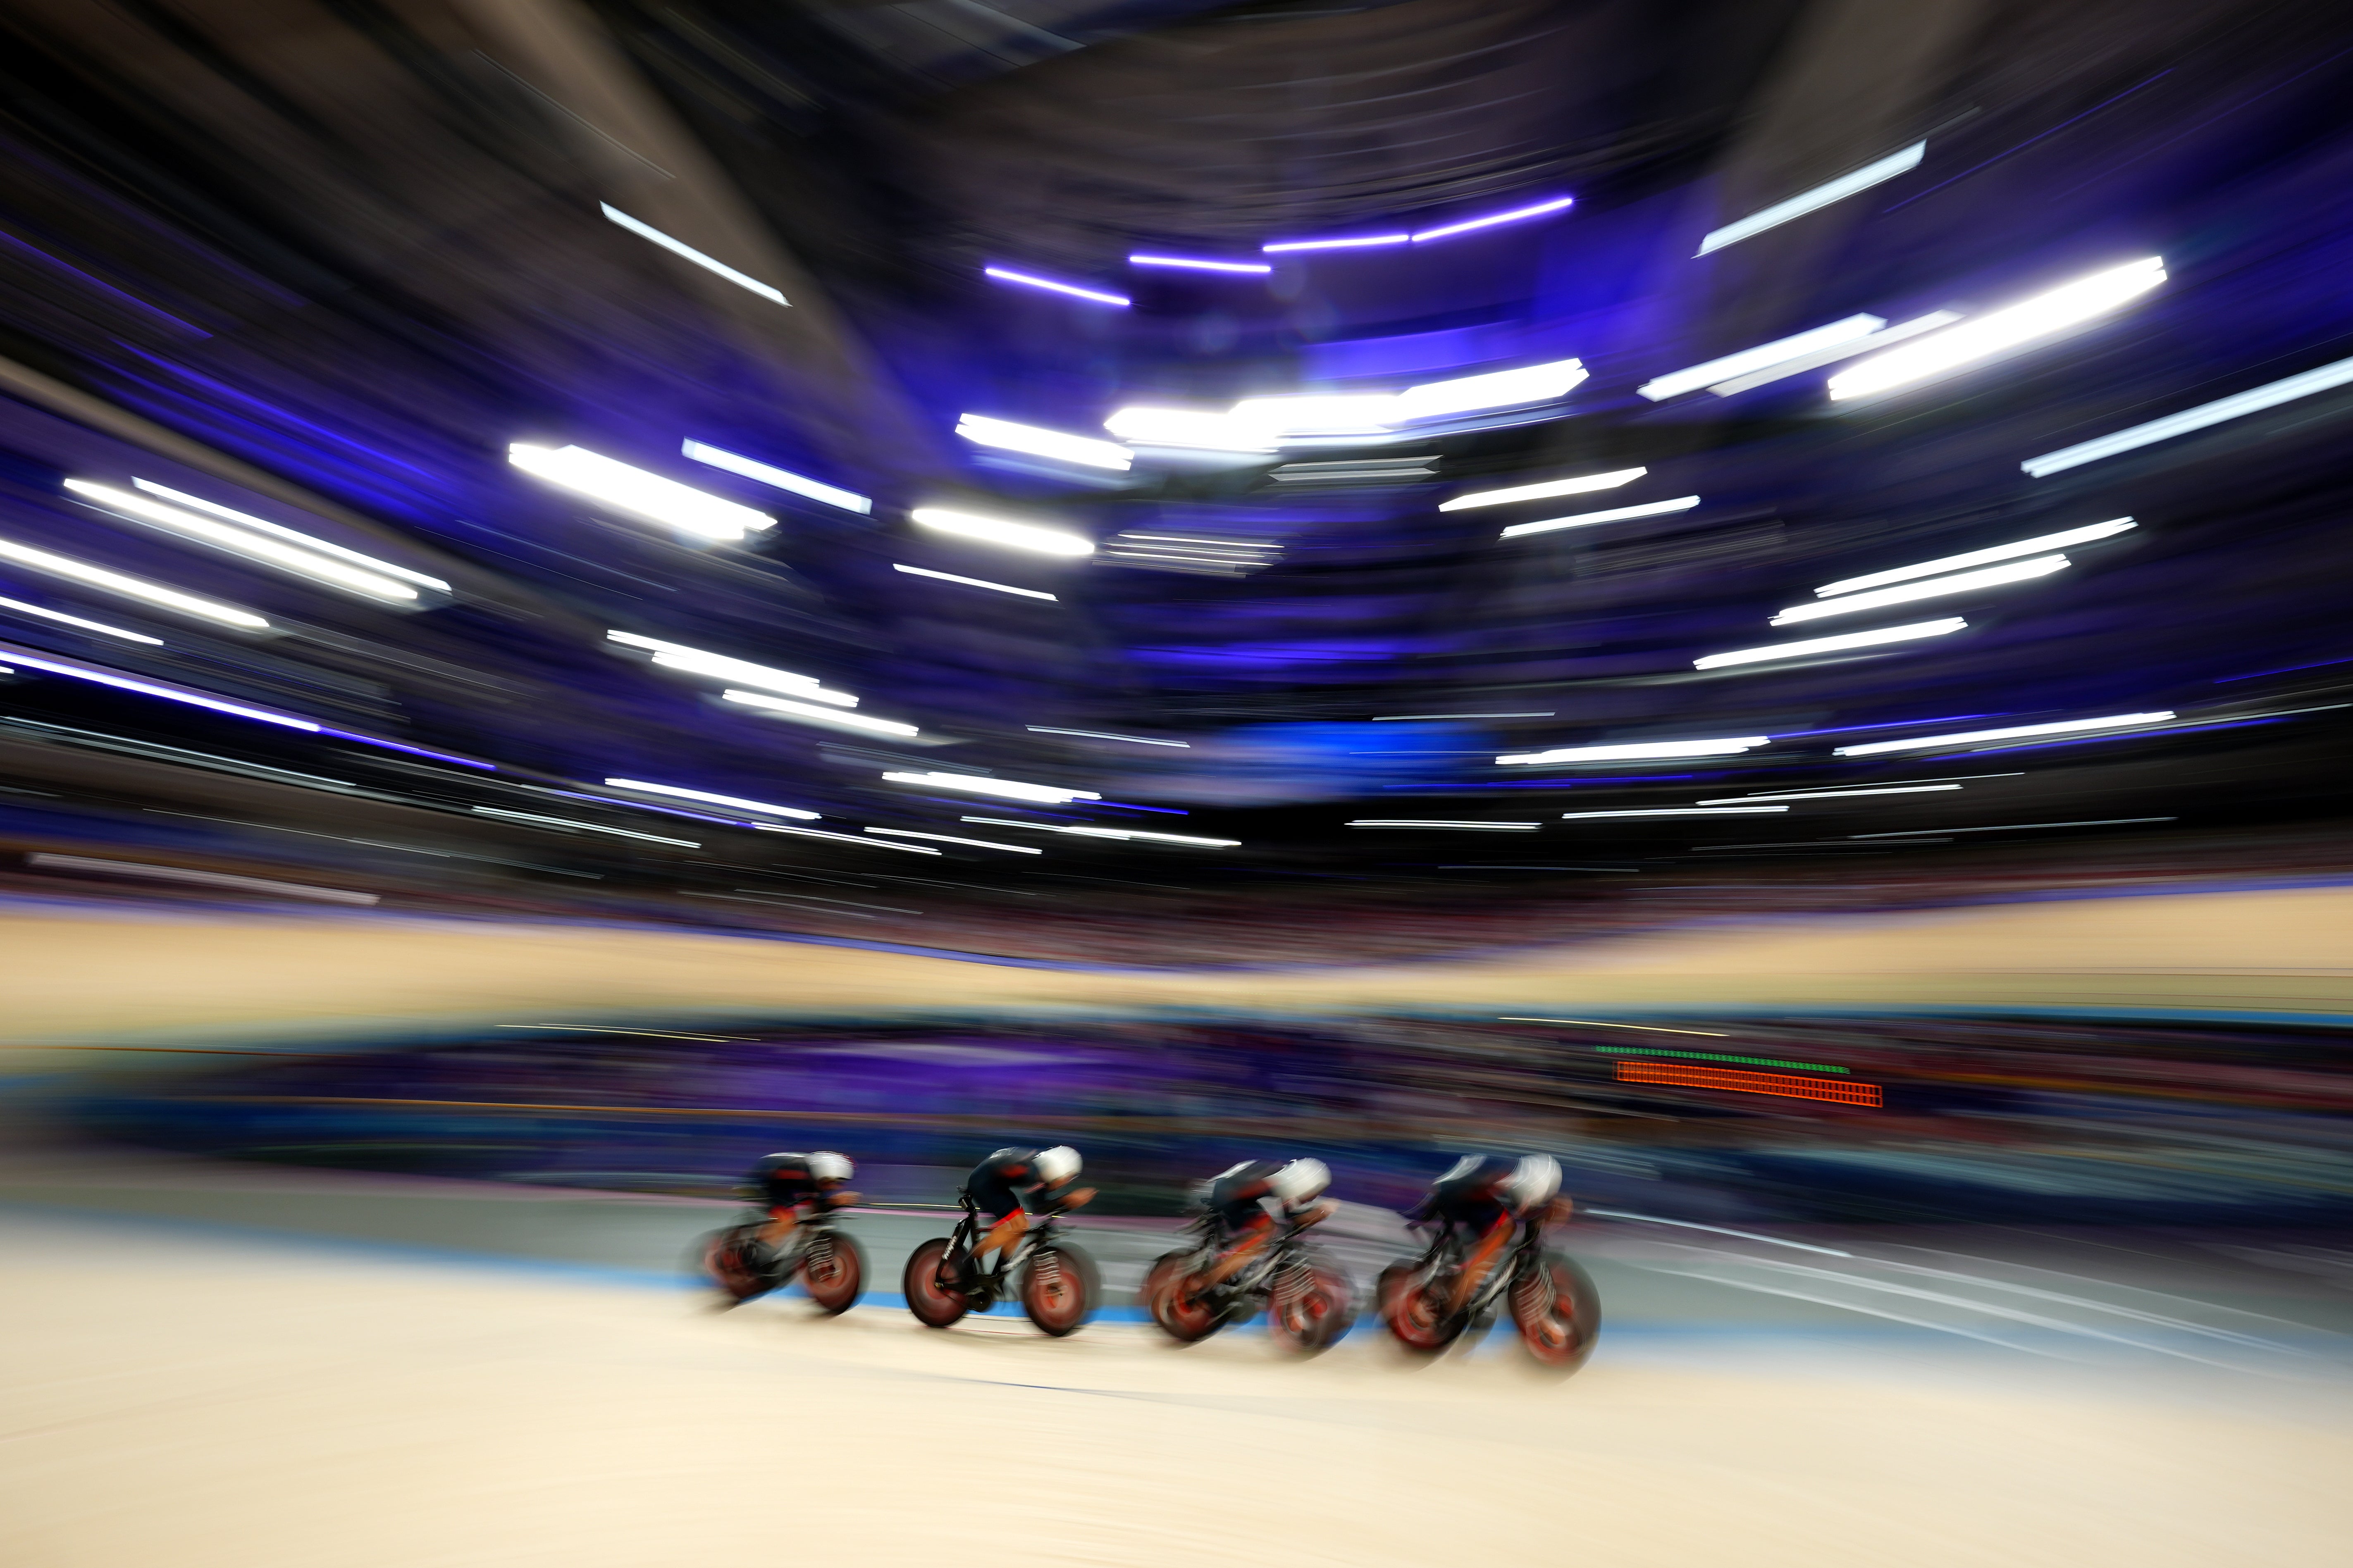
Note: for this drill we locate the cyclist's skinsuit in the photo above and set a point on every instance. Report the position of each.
(781, 1183)
(998, 1183)
(1234, 1195)
(1471, 1194)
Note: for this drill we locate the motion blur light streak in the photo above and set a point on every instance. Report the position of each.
(573, 825)
(1109, 832)
(1010, 789)
(1717, 1057)
(1029, 281)
(1587, 518)
(129, 587)
(1345, 242)
(1679, 810)
(53, 862)
(1638, 749)
(60, 616)
(2016, 827)
(975, 582)
(779, 479)
(1000, 530)
(1872, 173)
(1106, 736)
(1198, 264)
(2115, 721)
(1402, 717)
(1766, 375)
(258, 547)
(2042, 314)
(2059, 540)
(1005, 433)
(695, 660)
(292, 535)
(1834, 793)
(952, 838)
(785, 707)
(1601, 1024)
(1544, 490)
(1496, 389)
(1433, 822)
(1201, 430)
(709, 799)
(102, 676)
(2253, 401)
(1750, 1082)
(1831, 644)
(680, 247)
(1903, 593)
(842, 838)
(1538, 209)
(1674, 383)
(637, 492)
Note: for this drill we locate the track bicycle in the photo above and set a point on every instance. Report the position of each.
(825, 1259)
(1056, 1282)
(1309, 1301)
(1552, 1300)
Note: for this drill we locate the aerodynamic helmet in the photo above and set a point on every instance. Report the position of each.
(1056, 1165)
(826, 1166)
(1299, 1181)
(1533, 1181)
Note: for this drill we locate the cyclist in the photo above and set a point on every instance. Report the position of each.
(1488, 1196)
(1000, 1183)
(1240, 1199)
(788, 1183)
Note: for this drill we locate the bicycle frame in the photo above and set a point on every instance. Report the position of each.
(999, 1282)
(1446, 1254)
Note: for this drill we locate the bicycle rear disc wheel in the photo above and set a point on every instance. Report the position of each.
(1421, 1319)
(1182, 1316)
(734, 1261)
(931, 1290)
(1059, 1290)
(833, 1271)
(1558, 1313)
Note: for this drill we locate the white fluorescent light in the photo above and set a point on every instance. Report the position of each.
(1680, 811)
(1210, 430)
(1496, 389)
(1198, 264)
(1928, 588)
(807, 714)
(974, 581)
(952, 838)
(1636, 750)
(1086, 450)
(295, 536)
(1736, 386)
(1996, 331)
(147, 872)
(1400, 718)
(780, 478)
(840, 838)
(259, 547)
(1834, 794)
(99, 675)
(2237, 406)
(2013, 732)
(1414, 822)
(678, 656)
(1315, 414)
(1029, 281)
(1106, 736)
(1347, 242)
(1832, 644)
(1000, 530)
(1674, 383)
(1616, 514)
(565, 822)
(22, 608)
(1820, 196)
(1011, 789)
(1555, 205)
(131, 588)
(1112, 833)
(680, 247)
(632, 490)
(1548, 488)
(1979, 557)
(706, 797)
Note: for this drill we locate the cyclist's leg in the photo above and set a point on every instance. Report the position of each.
(1497, 1235)
(1005, 1232)
(1255, 1235)
(782, 1220)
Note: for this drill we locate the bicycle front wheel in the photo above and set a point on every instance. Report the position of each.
(1313, 1308)
(1059, 1290)
(833, 1270)
(1558, 1311)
